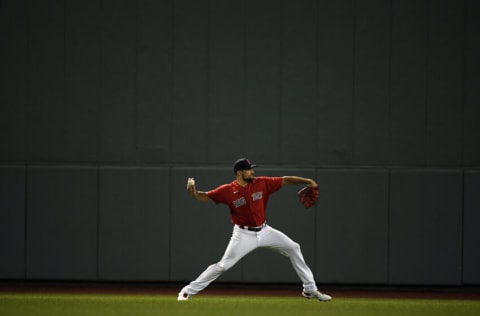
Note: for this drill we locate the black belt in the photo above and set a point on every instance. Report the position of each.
(253, 229)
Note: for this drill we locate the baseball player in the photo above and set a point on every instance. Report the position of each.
(247, 198)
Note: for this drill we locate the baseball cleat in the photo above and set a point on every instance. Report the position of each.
(183, 296)
(318, 295)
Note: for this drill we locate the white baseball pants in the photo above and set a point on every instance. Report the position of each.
(242, 243)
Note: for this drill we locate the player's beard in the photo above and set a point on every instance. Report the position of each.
(249, 180)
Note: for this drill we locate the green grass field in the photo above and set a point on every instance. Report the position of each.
(123, 304)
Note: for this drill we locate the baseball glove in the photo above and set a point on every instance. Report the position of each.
(308, 196)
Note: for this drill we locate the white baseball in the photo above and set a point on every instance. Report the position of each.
(191, 181)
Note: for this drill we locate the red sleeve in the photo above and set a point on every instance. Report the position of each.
(273, 184)
(219, 195)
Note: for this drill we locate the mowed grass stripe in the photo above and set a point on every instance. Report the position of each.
(99, 304)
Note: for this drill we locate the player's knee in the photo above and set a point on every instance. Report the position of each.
(223, 266)
(295, 247)
(292, 248)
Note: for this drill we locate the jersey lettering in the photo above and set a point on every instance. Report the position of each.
(257, 196)
(239, 202)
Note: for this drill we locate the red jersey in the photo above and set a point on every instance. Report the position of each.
(247, 204)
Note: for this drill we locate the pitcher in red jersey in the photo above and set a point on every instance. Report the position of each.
(247, 197)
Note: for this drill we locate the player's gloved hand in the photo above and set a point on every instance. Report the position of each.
(308, 196)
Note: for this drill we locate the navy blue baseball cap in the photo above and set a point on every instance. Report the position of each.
(242, 164)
